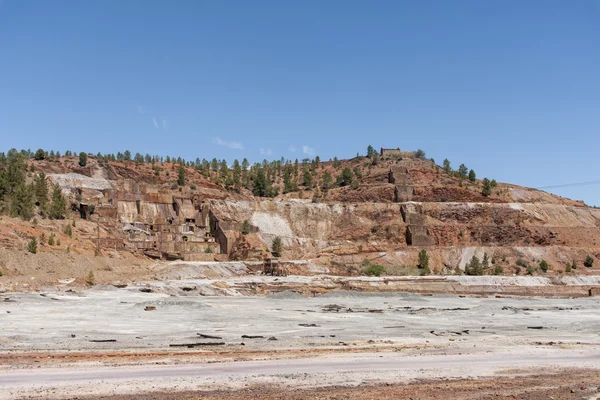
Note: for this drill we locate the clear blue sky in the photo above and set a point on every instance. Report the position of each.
(510, 88)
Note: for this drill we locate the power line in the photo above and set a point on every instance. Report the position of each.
(571, 185)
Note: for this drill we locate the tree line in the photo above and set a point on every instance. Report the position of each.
(264, 179)
(23, 197)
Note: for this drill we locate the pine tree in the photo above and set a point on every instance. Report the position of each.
(245, 227)
(260, 185)
(59, 204)
(423, 259)
(39, 155)
(447, 167)
(472, 176)
(181, 175)
(277, 246)
(345, 179)
(485, 263)
(308, 178)
(22, 202)
(463, 170)
(32, 245)
(40, 183)
(288, 183)
(237, 174)
(82, 159)
(13, 173)
(474, 267)
(327, 179)
(370, 151)
(487, 187)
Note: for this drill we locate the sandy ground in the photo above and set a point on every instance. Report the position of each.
(564, 384)
(349, 371)
(102, 342)
(60, 321)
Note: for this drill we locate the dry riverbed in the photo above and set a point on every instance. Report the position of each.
(107, 341)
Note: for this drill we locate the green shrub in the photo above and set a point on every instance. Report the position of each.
(485, 263)
(423, 260)
(522, 263)
(91, 279)
(498, 270)
(487, 187)
(374, 270)
(370, 269)
(402, 270)
(0, 272)
(474, 267)
(530, 270)
(51, 239)
(568, 268)
(277, 246)
(245, 227)
(68, 231)
(209, 250)
(32, 246)
(589, 261)
(544, 266)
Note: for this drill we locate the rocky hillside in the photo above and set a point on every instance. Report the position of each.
(337, 213)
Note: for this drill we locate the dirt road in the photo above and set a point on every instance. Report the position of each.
(350, 370)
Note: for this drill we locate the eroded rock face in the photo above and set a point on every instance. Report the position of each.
(375, 219)
(348, 233)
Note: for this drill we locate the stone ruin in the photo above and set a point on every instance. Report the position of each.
(417, 233)
(399, 176)
(143, 218)
(385, 153)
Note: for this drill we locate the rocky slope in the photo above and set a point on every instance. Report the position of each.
(394, 209)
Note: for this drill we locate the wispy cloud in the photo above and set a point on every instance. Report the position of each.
(309, 151)
(139, 108)
(155, 122)
(267, 152)
(231, 144)
(165, 124)
(292, 149)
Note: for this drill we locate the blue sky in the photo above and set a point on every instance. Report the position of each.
(510, 88)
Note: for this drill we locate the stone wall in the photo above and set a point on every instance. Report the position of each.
(390, 152)
(403, 193)
(418, 235)
(398, 175)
